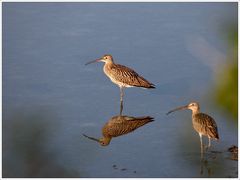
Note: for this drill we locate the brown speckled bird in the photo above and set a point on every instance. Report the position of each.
(122, 76)
(202, 123)
(118, 126)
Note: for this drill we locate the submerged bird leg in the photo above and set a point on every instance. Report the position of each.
(121, 108)
(121, 100)
(200, 135)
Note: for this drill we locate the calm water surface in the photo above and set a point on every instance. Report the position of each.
(50, 98)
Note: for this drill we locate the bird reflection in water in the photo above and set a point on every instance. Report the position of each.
(205, 166)
(206, 163)
(118, 126)
(121, 108)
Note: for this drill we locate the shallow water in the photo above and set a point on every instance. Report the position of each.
(50, 98)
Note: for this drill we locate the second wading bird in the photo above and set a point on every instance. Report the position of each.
(122, 76)
(202, 123)
(118, 126)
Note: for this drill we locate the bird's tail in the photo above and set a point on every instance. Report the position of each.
(152, 86)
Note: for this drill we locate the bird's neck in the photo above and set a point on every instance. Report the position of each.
(109, 64)
(195, 111)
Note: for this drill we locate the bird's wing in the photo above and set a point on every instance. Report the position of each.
(209, 125)
(128, 76)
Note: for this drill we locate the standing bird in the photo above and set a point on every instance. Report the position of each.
(118, 126)
(202, 123)
(122, 76)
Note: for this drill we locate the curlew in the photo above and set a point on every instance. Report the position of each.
(122, 76)
(118, 126)
(202, 123)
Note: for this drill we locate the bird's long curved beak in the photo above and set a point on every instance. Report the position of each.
(178, 108)
(92, 138)
(97, 60)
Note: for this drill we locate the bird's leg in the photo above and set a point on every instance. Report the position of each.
(121, 100)
(121, 94)
(201, 146)
(209, 142)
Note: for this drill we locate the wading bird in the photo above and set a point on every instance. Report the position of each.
(118, 126)
(202, 123)
(122, 76)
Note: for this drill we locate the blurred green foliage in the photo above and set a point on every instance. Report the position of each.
(226, 96)
(25, 147)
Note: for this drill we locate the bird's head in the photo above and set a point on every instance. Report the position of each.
(104, 141)
(107, 58)
(194, 106)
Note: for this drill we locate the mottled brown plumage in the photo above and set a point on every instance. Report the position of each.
(202, 123)
(125, 77)
(205, 125)
(120, 125)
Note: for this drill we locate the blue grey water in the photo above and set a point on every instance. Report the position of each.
(50, 97)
